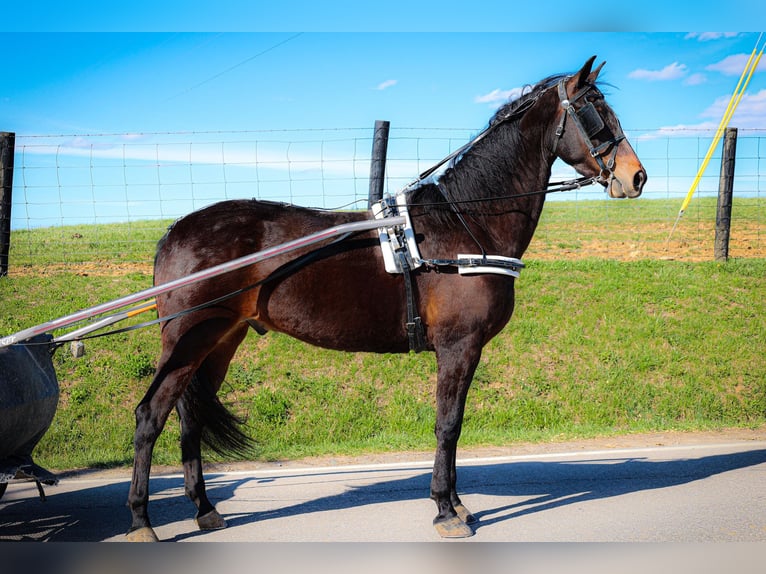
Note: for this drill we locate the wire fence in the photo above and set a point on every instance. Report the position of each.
(107, 198)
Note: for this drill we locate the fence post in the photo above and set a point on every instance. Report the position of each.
(725, 193)
(378, 162)
(7, 146)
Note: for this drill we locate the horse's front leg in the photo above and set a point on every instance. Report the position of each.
(456, 366)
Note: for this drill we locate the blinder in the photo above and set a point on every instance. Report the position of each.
(591, 120)
(589, 123)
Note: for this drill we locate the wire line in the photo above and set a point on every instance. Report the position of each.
(235, 66)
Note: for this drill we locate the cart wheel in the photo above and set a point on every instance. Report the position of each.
(3, 486)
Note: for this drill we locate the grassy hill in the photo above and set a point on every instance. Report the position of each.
(596, 347)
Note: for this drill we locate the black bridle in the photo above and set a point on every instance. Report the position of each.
(589, 123)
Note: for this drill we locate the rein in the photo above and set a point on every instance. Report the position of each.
(489, 129)
(586, 119)
(555, 187)
(588, 122)
(283, 271)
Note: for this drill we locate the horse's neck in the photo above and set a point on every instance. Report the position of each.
(515, 222)
(505, 225)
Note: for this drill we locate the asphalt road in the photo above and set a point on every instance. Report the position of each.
(711, 490)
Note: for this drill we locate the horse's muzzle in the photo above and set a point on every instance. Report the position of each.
(631, 186)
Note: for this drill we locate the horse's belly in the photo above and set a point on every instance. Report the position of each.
(350, 309)
(350, 339)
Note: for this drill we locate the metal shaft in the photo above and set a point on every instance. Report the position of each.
(226, 267)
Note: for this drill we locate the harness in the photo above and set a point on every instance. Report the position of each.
(401, 256)
(398, 242)
(399, 245)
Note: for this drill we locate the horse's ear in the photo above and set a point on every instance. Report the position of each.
(584, 75)
(594, 74)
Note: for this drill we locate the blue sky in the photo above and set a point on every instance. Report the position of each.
(84, 83)
(392, 15)
(143, 70)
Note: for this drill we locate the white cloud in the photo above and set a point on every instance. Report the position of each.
(387, 84)
(695, 80)
(670, 72)
(498, 97)
(679, 130)
(750, 114)
(707, 36)
(734, 64)
(301, 158)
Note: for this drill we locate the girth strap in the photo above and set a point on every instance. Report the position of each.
(415, 331)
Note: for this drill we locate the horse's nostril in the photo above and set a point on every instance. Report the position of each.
(639, 180)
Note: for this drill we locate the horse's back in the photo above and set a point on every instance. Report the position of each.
(335, 295)
(230, 229)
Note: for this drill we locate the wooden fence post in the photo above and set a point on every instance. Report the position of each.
(378, 162)
(7, 146)
(725, 193)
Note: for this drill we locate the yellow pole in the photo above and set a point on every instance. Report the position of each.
(747, 81)
(733, 102)
(747, 73)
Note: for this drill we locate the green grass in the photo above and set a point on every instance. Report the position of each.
(641, 229)
(636, 229)
(119, 242)
(595, 347)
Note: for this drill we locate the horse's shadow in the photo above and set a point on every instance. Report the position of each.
(542, 485)
(91, 514)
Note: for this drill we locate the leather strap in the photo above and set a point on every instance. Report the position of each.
(415, 331)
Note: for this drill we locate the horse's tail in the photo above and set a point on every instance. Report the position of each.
(221, 429)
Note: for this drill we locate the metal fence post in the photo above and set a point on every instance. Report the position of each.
(378, 162)
(725, 193)
(7, 146)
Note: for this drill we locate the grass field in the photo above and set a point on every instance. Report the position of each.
(596, 346)
(620, 230)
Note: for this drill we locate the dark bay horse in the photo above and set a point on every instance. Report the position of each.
(340, 296)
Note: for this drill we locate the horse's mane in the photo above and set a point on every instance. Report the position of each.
(528, 93)
(467, 176)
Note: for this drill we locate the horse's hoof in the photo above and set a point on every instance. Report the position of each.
(145, 534)
(464, 514)
(453, 528)
(211, 521)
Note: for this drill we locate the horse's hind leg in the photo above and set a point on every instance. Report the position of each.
(191, 437)
(183, 352)
(151, 415)
(204, 385)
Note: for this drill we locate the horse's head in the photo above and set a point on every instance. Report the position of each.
(589, 137)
